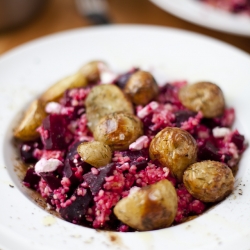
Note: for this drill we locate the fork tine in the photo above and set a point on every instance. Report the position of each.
(94, 10)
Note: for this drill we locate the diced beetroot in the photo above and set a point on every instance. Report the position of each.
(210, 123)
(72, 150)
(239, 7)
(134, 155)
(27, 149)
(182, 116)
(74, 158)
(147, 121)
(76, 210)
(140, 164)
(56, 137)
(95, 181)
(122, 79)
(169, 94)
(52, 180)
(31, 179)
(238, 140)
(68, 172)
(208, 151)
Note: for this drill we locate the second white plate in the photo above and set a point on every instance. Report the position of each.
(204, 15)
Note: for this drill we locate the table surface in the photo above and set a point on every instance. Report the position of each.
(59, 15)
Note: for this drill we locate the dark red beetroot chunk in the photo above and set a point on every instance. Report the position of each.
(31, 179)
(52, 180)
(134, 155)
(169, 94)
(76, 210)
(239, 7)
(74, 159)
(27, 149)
(56, 126)
(72, 151)
(95, 181)
(238, 140)
(182, 116)
(122, 79)
(208, 151)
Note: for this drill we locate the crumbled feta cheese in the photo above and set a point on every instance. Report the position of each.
(44, 165)
(140, 143)
(133, 190)
(220, 132)
(106, 75)
(147, 109)
(53, 108)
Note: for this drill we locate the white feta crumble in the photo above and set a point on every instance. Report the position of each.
(106, 75)
(220, 132)
(44, 165)
(53, 108)
(140, 143)
(133, 190)
(147, 109)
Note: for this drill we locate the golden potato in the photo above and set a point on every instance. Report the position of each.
(103, 100)
(174, 148)
(118, 130)
(151, 207)
(91, 71)
(95, 153)
(33, 117)
(141, 88)
(209, 181)
(203, 96)
(56, 91)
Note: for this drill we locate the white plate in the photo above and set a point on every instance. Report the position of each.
(207, 16)
(28, 70)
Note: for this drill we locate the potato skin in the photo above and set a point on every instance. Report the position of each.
(105, 99)
(174, 148)
(206, 97)
(95, 153)
(209, 181)
(32, 119)
(151, 207)
(141, 88)
(91, 71)
(118, 130)
(56, 91)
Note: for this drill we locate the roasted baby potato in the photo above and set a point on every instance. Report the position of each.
(56, 91)
(95, 153)
(209, 181)
(33, 117)
(174, 148)
(141, 88)
(103, 100)
(203, 96)
(118, 130)
(151, 207)
(91, 70)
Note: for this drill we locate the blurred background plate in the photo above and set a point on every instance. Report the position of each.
(204, 15)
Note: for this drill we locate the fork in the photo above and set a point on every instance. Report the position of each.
(94, 10)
